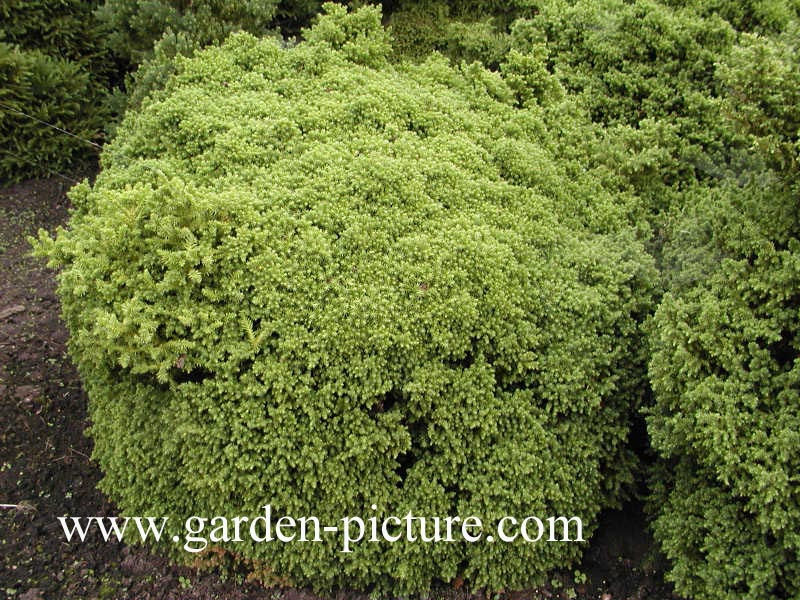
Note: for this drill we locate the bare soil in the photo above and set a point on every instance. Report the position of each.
(46, 470)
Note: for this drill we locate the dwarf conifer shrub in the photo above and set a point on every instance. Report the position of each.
(310, 278)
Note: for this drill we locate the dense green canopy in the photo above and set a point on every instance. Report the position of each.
(350, 271)
(311, 278)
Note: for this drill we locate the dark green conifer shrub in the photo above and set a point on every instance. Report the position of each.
(463, 30)
(60, 28)
(311, 278)
(136, 25)
(53, 67)
(45, 89)
(148, 35)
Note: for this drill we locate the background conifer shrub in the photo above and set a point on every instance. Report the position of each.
(63, 28)
(649, 73)
(726, 344)
(136, 25)
(53, 67)
(629, 61)
(726, 378)
(462, 31)
(45, 89)
(148, 35)
(753, 16)
(311, 278)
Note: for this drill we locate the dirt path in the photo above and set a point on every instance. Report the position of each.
(46, 470)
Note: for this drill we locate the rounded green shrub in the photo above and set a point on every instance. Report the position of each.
(311, 278)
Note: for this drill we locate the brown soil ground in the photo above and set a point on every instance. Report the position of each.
(46, 470)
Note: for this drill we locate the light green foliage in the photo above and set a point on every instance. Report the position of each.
(311, 278)
(725, 368)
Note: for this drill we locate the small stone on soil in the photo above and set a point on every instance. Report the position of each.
(11, 310)
(27, 392)
(32, 594)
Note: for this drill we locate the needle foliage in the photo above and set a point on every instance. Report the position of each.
(314, 278)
